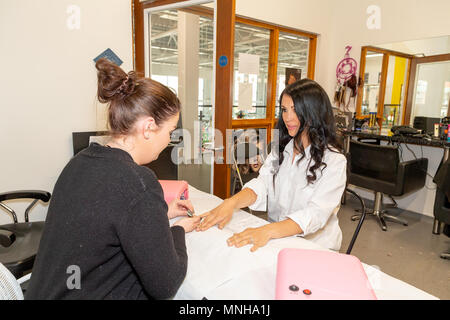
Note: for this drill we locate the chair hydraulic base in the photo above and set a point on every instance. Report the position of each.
(381, 214)
(385, 205)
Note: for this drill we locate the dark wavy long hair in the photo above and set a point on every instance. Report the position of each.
(314, 111)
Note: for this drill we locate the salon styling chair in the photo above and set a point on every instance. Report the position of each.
(377, 142)
(19, 242)
(378, 168)
(442, 200)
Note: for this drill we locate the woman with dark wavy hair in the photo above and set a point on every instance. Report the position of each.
(301, 187)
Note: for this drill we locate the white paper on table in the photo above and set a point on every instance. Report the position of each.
(248, 63)
(245, 96)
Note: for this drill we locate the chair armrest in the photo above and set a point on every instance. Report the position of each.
(6, 238)
(23, 194)
(26, 194)
(411, 175)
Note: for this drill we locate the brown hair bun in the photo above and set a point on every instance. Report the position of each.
(113, 82)
(130, 97)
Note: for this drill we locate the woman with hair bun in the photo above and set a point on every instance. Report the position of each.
(107, 232)
(302, 186)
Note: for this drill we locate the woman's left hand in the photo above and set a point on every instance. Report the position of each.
(179, 208)
(258, 237)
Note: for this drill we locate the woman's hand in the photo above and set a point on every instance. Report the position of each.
(258, 237)
(188, 224)
(179, 208)
(221, 215)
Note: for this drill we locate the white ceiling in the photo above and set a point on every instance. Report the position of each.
(427, 47)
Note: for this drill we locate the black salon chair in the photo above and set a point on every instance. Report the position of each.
(378, 168)
(442, 214)
(442, 200)
(377, 142)
(19, 242)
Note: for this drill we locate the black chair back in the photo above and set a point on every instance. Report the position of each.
(164, 167)
(374, 161)
(442, 201)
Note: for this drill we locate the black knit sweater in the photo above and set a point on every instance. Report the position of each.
(107, 222)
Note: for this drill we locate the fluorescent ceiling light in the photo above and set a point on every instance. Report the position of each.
(374, 55)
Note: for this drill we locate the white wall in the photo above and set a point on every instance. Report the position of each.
(48, 85)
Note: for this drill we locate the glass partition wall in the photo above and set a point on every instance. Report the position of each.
(165, 59)
(266, 58)
(293, 51)
(251, 66)
(181, 56)
(179, 44)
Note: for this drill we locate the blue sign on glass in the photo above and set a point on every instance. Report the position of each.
(223, 61)
(111, 56)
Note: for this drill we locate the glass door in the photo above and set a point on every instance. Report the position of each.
(180, 53)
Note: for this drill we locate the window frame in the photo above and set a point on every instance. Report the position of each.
(224, 78)
(269, 121)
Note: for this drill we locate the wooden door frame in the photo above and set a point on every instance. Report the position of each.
(224, 96)
(414, 63)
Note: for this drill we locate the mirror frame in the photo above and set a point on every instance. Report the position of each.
(382, 90)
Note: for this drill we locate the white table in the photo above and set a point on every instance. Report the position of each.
(216, 271)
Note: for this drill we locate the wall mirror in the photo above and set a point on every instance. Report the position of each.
(403, 80)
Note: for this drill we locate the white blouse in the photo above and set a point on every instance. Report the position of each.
(313, 207)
